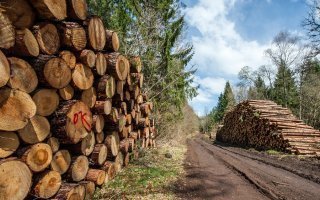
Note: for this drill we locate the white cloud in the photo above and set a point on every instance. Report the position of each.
(219, 48)
(220, 51)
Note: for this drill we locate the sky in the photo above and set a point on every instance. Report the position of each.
(230, 34)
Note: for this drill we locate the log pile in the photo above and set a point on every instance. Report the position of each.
(263, 124)
(72, 109)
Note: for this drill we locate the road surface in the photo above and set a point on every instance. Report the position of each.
(215, 172)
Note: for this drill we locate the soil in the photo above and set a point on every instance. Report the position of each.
(216, 171)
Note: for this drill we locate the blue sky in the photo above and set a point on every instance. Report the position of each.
(230, 34)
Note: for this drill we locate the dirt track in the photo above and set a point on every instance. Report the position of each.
(215, 172)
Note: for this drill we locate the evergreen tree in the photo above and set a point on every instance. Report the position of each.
(226, 102)
(285, 90)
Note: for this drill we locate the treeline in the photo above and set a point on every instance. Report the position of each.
(291, 80)
(154, 30)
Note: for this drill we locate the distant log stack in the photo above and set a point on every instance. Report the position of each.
(265, 125)
(71, 105)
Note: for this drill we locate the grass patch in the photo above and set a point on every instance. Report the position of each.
(149, 177)
(273, 152)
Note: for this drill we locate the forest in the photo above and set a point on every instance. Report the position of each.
(154, 30)
(291, 78)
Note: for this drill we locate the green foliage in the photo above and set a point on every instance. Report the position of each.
(285, 90)
(226, 102)
(154, 29)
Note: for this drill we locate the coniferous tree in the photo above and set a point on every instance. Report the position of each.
(226, 102)
(285, 90)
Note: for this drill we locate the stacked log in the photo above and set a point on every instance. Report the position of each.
(263, 125)
(71, 106)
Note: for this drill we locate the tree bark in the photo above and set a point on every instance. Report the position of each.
(106, 87)
(70, 191)
(88, 58)
(117, 66)
(90, 188)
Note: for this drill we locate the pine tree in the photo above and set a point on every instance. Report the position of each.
(285, 90)
(226, 102)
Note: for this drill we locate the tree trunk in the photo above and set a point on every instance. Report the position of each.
(126, 159)
(19, 12)
(79, 168)
(90, 188)
(52, 71)
(124, 146)
(48, 38)
(100, 137)
(46, 184)
(46, 100)
(96, 175)
(69, 58)
(77, 9)
(106, 87)
(37, 156)
(96, 33)
(9, 143)
(54, 144)
(98, 123)
(25, 45)
(131, 144)
(16, 107)
(99, 154)
(117, 66)
(51, 9)
(112, 41)
(37, 130)
(102, 107)
(72, 35)
(101, 64)
(89, 97)
(135, 64)
(112, 118)
(61, 161)
(7, 32)
(85, 147)
(109, 168)
(82, 77)
(72, 122)
(66, 93)
(22, 75)
(119, 162)
(88, 58)
(70, 191)
(16, 179)
(4, 70)
(112, 146)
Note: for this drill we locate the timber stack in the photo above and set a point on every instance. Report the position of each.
(264, 125)
(72, 108)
